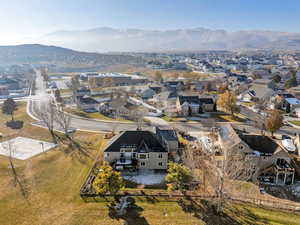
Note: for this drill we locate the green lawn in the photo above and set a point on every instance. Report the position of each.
(295, 122)
(229, 118)
(65, 91)
(249, 104)
(167, 118)
(95, 115)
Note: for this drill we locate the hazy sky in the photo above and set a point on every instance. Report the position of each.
(22, 20)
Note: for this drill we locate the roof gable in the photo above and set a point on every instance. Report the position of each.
(139, 139)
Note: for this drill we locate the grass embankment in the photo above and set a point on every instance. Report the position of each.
(65, 91)
(168, 119)
(27, 131)
(229, 118)
(295, 122)
(95, 115)
(249, 104)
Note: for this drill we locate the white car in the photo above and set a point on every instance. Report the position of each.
(289, 145)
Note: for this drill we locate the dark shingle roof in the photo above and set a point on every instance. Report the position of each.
(168, 134)
(260, 143)
(189, 99)
(156, 89)
(173, 82)
(88, 100)
(195, 100)
(207, 100)
(135, 138)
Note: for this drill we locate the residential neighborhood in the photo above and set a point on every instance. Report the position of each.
(150, 112)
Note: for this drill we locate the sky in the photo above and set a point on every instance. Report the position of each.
(23, 20)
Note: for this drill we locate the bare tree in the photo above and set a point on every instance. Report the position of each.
(63, 121)
(47, 113)
(17, 179)
(216, 172)
(138, 116)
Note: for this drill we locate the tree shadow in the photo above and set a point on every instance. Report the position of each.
(248, 216)
(207, 212)
(149, 199)
(76, 151)
(15, 124)
(131, 217)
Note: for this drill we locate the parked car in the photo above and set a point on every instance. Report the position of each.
(285, 137)
(262, 190)
(90, 110)
(288, 144)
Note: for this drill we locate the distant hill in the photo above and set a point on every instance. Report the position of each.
(42, 54)
(106, 39)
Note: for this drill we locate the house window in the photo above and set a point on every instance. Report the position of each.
(133, 155)
(142, 156)
(160, 163)
(122, 155)
(107, 154)
(160, 156)
(143, 163)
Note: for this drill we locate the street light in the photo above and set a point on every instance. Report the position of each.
(42, 145)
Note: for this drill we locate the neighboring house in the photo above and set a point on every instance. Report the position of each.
(168, 138)
(4, 91)
(115, 108)
(268, 82)
(10, 84)
(298, 77)
(287, 102)
(270, 159)
(86, 103)
(157, 89)
(136, 149)
(236, 80)
(80, 92)
(193, 105)
(148, 93)
(115, 79)
(174, 85)
(258, 92)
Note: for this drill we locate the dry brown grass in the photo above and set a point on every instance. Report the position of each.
(27, 131)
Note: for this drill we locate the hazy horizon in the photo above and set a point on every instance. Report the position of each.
(26, 21)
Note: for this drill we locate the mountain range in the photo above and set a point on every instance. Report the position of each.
(106, 39)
